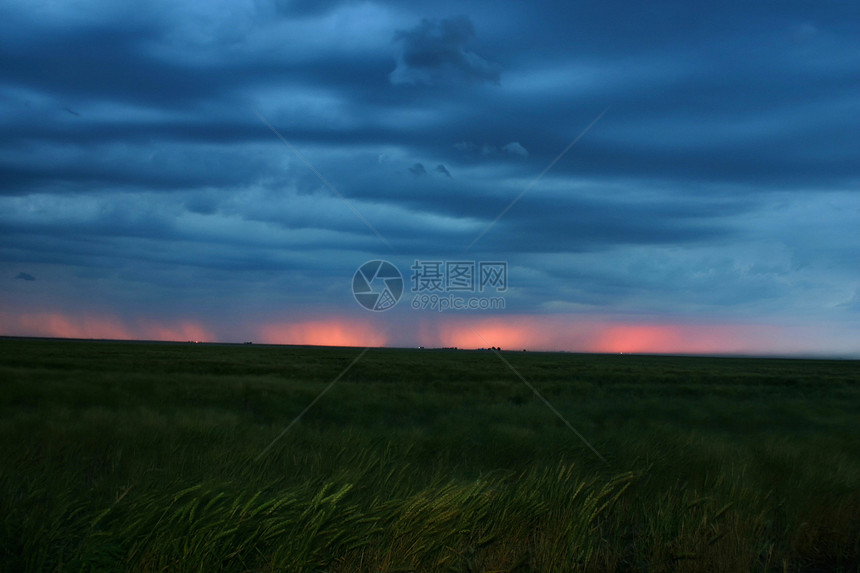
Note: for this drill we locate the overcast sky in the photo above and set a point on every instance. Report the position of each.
(219, 170)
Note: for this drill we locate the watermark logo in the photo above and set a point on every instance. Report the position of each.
(444, 285)
(459, 276)
(436, 285)
(377, 285)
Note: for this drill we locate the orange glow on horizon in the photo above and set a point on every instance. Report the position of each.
(62, 325)
(330, 332)
(182, 331)
(483, 333)
(596, 334)
(665, 339)
(572, 333)
(639, 338)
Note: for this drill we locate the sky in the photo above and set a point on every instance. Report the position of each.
(654, 177)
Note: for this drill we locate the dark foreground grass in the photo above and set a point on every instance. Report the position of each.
(146, 457)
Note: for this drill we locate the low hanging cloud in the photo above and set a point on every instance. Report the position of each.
(25, 277)
(434, 51)
(417, 170)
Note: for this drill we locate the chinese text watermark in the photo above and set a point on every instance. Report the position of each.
(437, 285)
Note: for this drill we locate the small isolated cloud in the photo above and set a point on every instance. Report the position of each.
(70, 111)
(514, 148)
(443, 170)
(465, 146)
(25, 277)
(434, 51)
(417, 170)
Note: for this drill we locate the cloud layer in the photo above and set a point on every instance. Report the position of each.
(721, 190)
(435, 51)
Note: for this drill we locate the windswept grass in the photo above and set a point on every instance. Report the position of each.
(145, 458)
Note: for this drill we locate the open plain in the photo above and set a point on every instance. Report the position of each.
(180, 457)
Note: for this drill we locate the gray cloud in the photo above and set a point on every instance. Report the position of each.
(443, 170)
(22, 276)
(435, 51)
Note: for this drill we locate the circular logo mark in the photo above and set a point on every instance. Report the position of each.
(377, 285)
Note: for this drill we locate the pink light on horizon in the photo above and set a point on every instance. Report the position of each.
(181, 330)
(327, 332)
(606, 335)
(572, 333)
(481, 333)
(57, 324)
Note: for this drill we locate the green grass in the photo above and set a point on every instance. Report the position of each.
(144, 457)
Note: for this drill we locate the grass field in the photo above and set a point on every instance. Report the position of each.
(147, 457)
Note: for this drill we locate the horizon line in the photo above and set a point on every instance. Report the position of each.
(778, 356)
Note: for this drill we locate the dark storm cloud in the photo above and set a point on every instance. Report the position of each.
(690, 126)
(583, 225)
(130, 140)
(22, 276)
(618, 29)
(573, 225)
(99, 62)
(435, 51)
